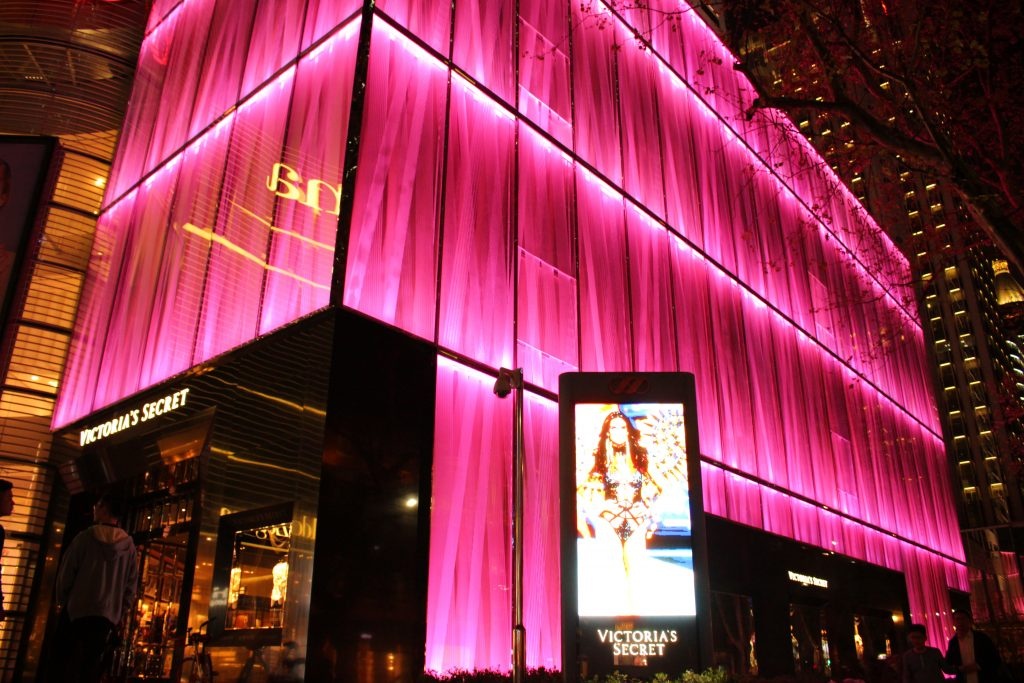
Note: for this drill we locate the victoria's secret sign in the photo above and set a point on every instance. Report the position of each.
(130, 418)
(638, 643)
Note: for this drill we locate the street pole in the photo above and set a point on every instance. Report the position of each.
(507, 381)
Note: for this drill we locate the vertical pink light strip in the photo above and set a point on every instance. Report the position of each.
(300, 258)
(143, 108)
(145, 242)
(476, 308)
(651, 294)
(547, 270)
(231, 301)
(172, 337)
(542, 575)
(604, 295)
(639, 106)
(681, 173)
(83, 368)
(190, 26)
(593, 89)
(483, 43)
(468, 604)
(544, 68)
(392, 270)
(469, 622)
(220, 71)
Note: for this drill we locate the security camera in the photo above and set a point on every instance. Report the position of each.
(503, 385)
(507, 380)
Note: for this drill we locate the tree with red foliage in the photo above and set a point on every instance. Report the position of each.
(934, 83)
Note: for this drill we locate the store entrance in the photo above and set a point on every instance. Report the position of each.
(809, 636)
(161, 502)
(158, 477)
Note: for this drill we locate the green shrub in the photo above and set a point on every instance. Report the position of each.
(706, 676)
(548, 676)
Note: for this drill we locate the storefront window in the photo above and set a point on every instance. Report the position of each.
(250, 577)
(732, 626)
(810, 640)
(258, 581)
(874, 633)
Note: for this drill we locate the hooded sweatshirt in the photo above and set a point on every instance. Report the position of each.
(99, 574)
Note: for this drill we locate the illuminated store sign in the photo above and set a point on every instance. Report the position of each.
(633, 525)
(806, 580)
(133, 417)
(638, 643)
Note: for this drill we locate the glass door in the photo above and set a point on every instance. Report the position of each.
(808, 632)
(161, 505)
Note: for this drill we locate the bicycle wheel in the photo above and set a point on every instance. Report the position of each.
(207, 668)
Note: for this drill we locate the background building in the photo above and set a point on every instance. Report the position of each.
(65, 75)
(968, 296)
(965, 290)
(328, 226)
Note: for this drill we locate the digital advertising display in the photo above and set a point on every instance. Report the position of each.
(632, 534)
(24, 162)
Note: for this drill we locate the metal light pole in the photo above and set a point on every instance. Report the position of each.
(503, 386)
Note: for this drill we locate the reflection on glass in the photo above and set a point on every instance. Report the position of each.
(810, 639)
(258, 580)
(733, 635)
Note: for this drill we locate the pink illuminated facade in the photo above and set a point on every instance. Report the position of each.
(524, 184)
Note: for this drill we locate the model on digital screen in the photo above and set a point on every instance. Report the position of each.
(620, 487)
(631, 485)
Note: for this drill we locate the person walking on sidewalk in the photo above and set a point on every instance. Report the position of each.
(6, 509)
(921, 663)
(972, 656)
(96, 589)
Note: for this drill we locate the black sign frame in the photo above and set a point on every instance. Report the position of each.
(677, 642)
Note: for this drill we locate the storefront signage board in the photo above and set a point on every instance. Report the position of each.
(126, 419)
(807, 580)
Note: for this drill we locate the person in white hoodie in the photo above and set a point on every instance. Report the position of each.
(96, 587)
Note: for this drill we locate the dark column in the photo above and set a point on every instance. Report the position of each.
(368, 602)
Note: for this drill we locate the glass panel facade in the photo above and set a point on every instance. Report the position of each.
(616, 212)
(242, 246)
(706, 275)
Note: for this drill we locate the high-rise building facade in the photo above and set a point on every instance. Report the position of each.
(969, 298)
(330, 223)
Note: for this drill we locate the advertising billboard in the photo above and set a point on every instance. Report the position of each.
(633, 580)
(24, 162)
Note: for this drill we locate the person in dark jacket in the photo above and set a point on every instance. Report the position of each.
(96, 588)
(921, 663)
(971, 655)
(6, 509)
